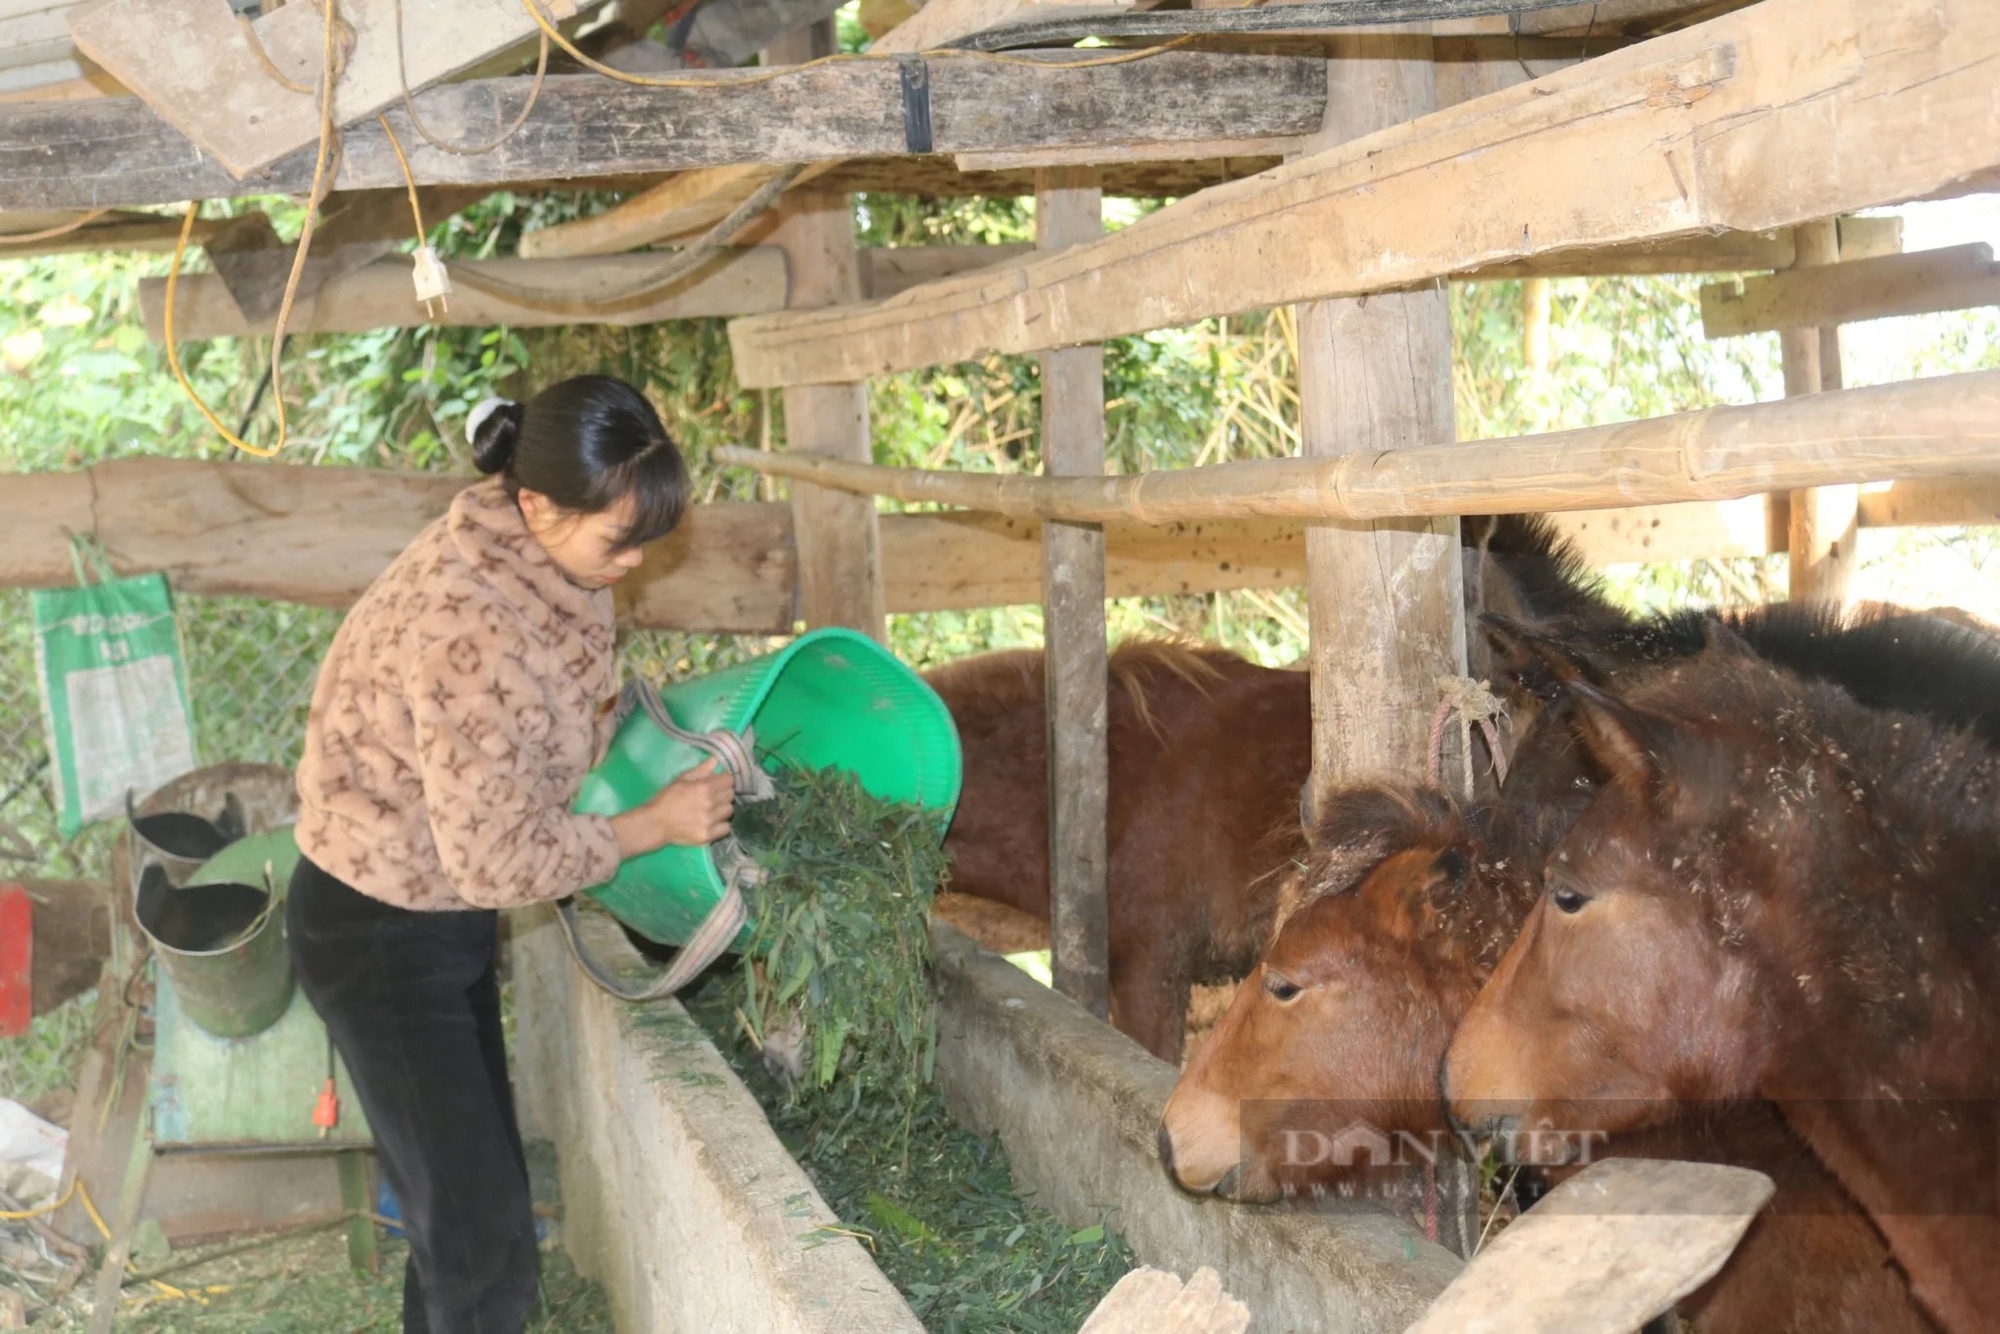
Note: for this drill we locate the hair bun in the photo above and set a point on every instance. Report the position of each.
(492, 427)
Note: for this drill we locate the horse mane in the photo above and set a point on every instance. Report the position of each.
(1886, 657)
(1550, 576)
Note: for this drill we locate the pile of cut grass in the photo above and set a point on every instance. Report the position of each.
(842, 941)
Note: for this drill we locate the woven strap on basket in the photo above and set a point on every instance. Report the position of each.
(737, 753)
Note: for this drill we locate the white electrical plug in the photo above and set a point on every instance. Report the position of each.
(433, 283)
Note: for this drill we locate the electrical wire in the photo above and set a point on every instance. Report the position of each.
(410, 106)
(40, 1210)
(48, 233)
(645, 289)
(409, 182)
(322, 181)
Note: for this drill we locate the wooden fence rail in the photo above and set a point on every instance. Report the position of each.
(1947, 426)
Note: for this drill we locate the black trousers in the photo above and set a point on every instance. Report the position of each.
(413, 1004)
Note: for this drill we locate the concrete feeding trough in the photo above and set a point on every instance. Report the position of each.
(681, 1200)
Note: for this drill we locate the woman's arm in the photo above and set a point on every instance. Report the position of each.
(692, 811)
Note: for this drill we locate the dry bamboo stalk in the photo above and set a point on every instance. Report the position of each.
(1948, 426)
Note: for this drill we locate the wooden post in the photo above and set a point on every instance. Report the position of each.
(1375, 373)
(1821, 525)
(1068, 210)
(1386, 611)
(838, 536)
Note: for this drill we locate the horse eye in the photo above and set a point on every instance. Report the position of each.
(1281, 988)
(1567, 899)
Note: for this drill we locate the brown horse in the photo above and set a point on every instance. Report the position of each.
(1208, 754)
(1778, 893)
(1401, 914)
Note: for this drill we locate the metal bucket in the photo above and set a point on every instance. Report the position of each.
(218, 931)
(223, 946)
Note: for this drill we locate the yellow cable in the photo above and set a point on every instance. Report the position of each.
(409, 180)
(15, 1215)
(554, 34)
(328, 76)
(83, 1193)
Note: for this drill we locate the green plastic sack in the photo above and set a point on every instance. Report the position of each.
(114, 690)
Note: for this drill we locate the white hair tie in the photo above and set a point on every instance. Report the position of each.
(481, 410)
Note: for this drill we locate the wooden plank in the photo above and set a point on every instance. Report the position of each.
(1112, 154)
(942, 22)
(1728, 252)
(1387, 616)
(191, 61)
(1069, 211)
(321, 535)
(837, 536)
(116, 231)
(1924, 281)
(1821, 524)
(1609, 1249)
(1944, 426)
(1671, 137)
(379, 296)
(118, 152)
(353, 521)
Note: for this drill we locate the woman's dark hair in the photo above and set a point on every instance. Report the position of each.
(588, 443)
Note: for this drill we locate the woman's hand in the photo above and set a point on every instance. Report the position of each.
(691, 812)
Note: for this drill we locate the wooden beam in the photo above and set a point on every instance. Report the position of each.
(1726, 252)
(115, 151)
(1386, 614)
(115, 231)
(194, 64)
(740, 282)
(1947, 426)
(347, 524)
(1821, 523)
(379, 296)
(838, 537)
(320, 536)
(1069, 211)
(1924, 281)
(1667, 138)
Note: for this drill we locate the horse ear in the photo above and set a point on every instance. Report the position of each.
(1720, 638)
(1620, 737)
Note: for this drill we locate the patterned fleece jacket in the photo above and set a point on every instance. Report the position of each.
(464, 698)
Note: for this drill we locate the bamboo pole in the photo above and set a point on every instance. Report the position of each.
(1948, 426)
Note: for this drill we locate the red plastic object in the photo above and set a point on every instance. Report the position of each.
(326, 1112)
(17, 959)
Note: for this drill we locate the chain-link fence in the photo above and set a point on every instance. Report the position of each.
(251, 666)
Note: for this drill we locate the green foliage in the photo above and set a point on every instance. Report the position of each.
(44, 1058)
(842, 933)
(842, 943)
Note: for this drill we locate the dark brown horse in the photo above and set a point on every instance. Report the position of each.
(1208, 753)
(1778, 893)
(1401, 914)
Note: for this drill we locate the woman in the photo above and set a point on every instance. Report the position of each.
(463, 700)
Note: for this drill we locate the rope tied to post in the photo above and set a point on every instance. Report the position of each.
(736, 752)
(1476, 705)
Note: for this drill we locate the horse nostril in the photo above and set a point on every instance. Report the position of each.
(1166, 1142)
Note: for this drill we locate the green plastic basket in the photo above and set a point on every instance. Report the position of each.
(831, 699)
